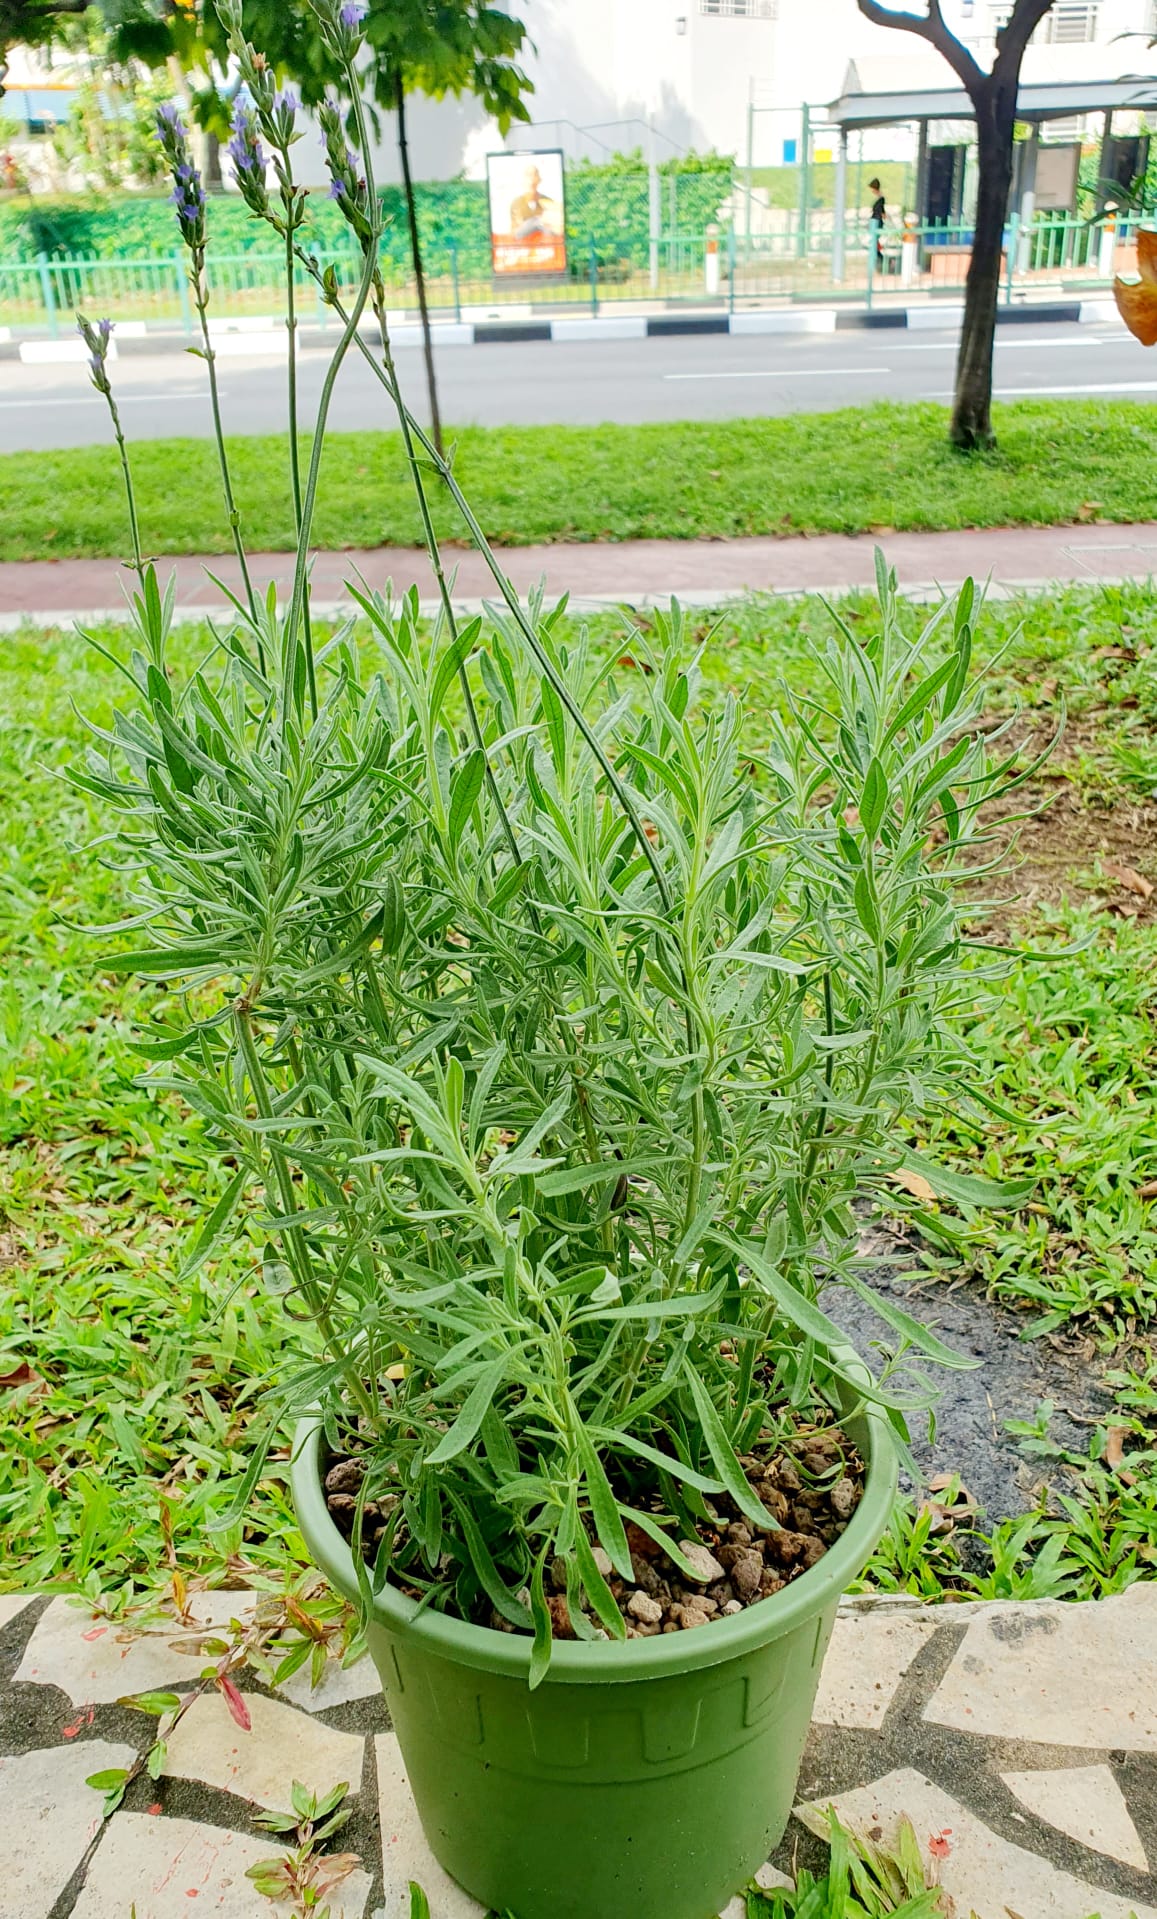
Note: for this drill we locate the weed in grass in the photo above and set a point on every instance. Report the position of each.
(1067, 1047)
(865, 1879)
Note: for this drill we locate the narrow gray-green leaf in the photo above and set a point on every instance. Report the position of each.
(873, 799)
(604, 1508)
(971, 1189)
(464, 790)
(469, 1420)
(723, 1452)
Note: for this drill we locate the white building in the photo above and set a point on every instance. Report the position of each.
(696, 69)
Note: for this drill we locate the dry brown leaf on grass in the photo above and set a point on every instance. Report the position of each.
(914, 1183)
(23, 1375)
(1149, 1190)
(1129, 877)
(1115, 1454)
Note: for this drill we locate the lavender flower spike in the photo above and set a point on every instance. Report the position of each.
(353, 13)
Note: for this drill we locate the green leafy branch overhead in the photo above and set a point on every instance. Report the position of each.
(436, 47)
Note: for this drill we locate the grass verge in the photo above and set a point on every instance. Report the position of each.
(127, 1385)
(855, 471)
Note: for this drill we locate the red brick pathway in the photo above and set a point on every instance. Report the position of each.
(636, 569)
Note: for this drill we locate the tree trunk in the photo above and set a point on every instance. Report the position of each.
(213, 181)
(419, 273)
(995, 106)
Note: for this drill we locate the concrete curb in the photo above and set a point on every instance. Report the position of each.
(266, 338)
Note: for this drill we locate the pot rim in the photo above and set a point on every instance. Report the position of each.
(588, 1662)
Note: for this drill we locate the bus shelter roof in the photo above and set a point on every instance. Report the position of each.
(1035, 101)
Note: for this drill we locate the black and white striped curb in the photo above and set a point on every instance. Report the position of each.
(267, 338)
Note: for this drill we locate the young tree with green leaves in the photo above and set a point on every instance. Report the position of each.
(993, 95)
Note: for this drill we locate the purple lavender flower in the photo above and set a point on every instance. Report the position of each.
(188, 195)
(286, 102)
(245, 147)
(96, 337)
(353, 12)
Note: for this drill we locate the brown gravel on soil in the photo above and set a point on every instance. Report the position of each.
(809, 1491)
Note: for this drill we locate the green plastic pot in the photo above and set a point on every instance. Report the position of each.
(639, 1781)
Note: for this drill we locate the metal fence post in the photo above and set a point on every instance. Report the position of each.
(47, 294)
(731, 268)
(1013, 236)
(454, 277)
(870, 284)
(801, 238)
(593, 267)
(183, 292)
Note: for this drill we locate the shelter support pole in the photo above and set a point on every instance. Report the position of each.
(840, 215)
(921, 187)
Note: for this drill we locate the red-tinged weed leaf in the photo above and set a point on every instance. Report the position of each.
(238, 1710)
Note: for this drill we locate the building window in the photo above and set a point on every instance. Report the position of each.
(739, 9)
(1070, 23)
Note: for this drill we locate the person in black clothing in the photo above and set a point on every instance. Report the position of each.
(878, 216)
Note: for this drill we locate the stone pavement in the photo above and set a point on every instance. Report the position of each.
(1022, 1738)
(636, 572)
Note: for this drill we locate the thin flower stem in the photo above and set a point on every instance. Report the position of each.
(435, 555)
(130, 490)
(294, 450)
(309, 502)
(201, 301)
(445, 473)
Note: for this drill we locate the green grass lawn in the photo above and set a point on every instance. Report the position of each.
(125, 1391)
(850, 472)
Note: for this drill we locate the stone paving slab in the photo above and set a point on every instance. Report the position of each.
(638, 572)
(1024, 1736)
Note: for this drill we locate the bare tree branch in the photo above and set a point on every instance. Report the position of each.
(930, 26)
(1018, 30)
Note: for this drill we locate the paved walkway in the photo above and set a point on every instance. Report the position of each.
(636, 571)
(1021, 1738)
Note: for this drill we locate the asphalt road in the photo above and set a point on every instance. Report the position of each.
(687, 377)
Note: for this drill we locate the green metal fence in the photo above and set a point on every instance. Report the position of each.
(1056, 252)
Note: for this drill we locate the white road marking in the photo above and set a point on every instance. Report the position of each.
(949, 346)
(781, 373)
(1051, 392)
(1100, 386)
(98, 399)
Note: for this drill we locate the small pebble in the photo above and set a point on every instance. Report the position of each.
(746, 1573)
(704, 1567)
(602, 1561)
(345, 1477)
(641, 1606)
(843, 1499)
(732, 1606)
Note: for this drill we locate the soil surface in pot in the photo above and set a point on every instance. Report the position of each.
(810, 1487)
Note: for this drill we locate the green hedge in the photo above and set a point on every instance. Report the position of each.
(606, 205)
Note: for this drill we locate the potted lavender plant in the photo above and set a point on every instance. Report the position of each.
(561, 1036)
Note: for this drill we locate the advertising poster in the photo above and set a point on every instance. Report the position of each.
(527, 212)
